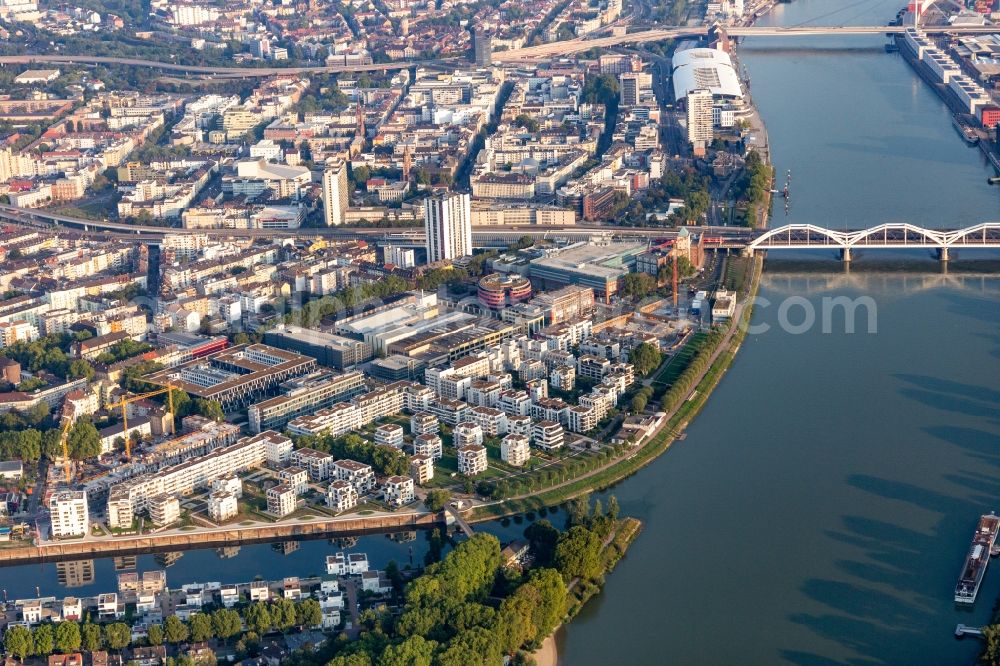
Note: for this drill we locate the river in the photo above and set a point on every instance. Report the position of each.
(821, 505)
(820, 508)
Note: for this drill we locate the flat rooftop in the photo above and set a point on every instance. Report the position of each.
(603, 261)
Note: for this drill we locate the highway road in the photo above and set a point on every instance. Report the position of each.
(564, 47)
(218, 72)
(102, 229)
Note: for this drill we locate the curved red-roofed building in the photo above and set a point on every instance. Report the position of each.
(497, 291)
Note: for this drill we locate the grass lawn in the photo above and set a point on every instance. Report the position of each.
(679, 362)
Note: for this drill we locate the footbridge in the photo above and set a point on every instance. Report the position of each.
(892, 236)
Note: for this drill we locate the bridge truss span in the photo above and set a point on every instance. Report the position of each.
(894, 235)
(799, 235)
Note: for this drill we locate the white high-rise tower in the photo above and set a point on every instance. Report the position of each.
(448, 225)
(335, 193)
(699, 119)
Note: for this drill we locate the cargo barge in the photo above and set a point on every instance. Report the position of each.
(983, 542)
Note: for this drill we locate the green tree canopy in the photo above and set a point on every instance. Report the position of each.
(646, 358)
(84, 441)
(200, 627)
(117, 636)
(436, 499)
(45, 640)
(174, 630)
(18, 641)
(258, 617)
(91, 636)
(578, 554)
(210, 409)
(226, 623)
(68, 637)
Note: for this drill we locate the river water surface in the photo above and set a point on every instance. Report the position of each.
(821, 506)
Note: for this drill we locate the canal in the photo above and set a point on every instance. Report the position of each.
(821, 505)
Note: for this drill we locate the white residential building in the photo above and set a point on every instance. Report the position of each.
(389, 434)
(69, 514)
(472, 459)
(467, 433)
(164, 510)
(222, 506)
(281, 500)
(423, 423)
(428, 445)
(341, 496)
(295, 478)
(336, 195)
(361, 476)
(448, 225)
(515, 450)
(318, 464)
(547, 435)
(398, 491)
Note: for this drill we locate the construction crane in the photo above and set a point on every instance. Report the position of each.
(123, 403)
(64, 440)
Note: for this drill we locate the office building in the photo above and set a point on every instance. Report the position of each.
(335, 351)
(336, 194)
(633, 87)
(236, 377)
(447, 223)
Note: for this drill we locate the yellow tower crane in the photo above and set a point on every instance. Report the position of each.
(123, 403)
(64, 440)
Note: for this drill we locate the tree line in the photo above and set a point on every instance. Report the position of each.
(688, 379)
(259, 618)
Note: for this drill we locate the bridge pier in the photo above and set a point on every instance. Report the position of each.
(748, 252)
(845, 255)
(943, 254)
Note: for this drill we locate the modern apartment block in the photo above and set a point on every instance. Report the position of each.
(200, 472)
(69, 514)
(304, 395)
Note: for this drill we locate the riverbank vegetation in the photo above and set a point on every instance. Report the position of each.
(754, 187)
(474, 607)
